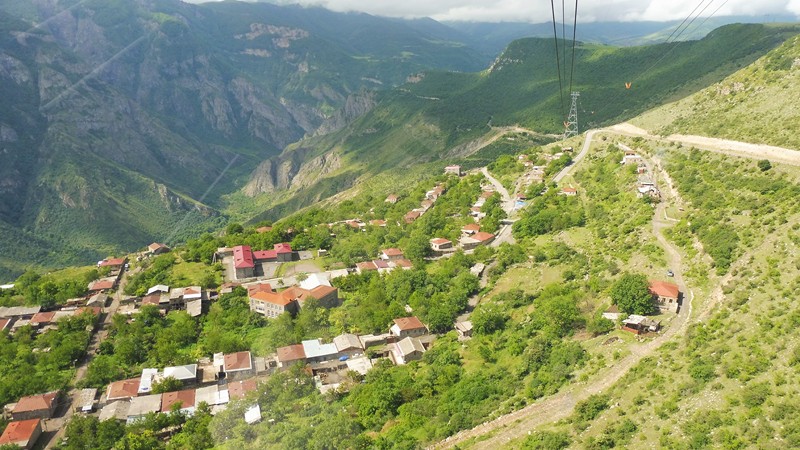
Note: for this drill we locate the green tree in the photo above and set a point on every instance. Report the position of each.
(632, 294)
(234, 228)
(764, 165)
(168, 384)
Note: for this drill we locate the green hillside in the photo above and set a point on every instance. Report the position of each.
(436, 115)
(108, 136)
(757, 104)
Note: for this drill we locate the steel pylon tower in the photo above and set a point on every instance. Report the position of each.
(571, 125)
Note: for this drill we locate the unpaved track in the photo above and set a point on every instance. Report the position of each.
(518, 423)
(724, 146)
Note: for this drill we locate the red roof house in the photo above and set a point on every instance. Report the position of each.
(291, 354)
(408, 326)
(39, 406)
(185, 397)
(124, 389)
(23, 433)
(666, 295)
(243, 257)
(238, 365)
(238, 389)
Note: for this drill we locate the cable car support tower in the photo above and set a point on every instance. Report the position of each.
(571, 125)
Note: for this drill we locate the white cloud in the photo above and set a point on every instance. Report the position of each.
(539, 11)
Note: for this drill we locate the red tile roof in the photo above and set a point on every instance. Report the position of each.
(101, 285)
(43, 317)
(123, 389)
(404, 263)
(368, 265)
(263, 229)
(291, 353)
(39, 402)
(664, 289)
(152, 299)
(471, 227)
(569, 189)
(322, 291)
(238, 361)
(482, 236)
(274, 298)
(260, 287)
(440, 241)
(283, 248)
(393, 252)
(185, 397)
(380, 264)
(378, 223)
(96, 310)
(4, 323)
(243, 257)
(238, 389)
(408, 323)
(19, 432)
(265, 254)
(112, 262)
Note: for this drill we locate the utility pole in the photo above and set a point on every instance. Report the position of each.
(571, 125)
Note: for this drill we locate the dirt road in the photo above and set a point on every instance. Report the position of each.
(724, 146)
(517, 424)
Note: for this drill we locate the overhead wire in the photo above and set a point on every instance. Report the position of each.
(558, 59)
(676, 42)
(574, 35)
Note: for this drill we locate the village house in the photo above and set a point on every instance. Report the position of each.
(391, 254)
(86, 400)
(441, 244)
(470, 229)
(237, 366)
(156, 249)
(365, 266)
(104, 285)
(666, 295)
(5, 323)
(411, 216)
(377, 223)
(408, 326)
(290, 354)
(114, 264)
(115, 410)
(317, 352)
(243, 263)
(348, 345)
(262, 230)
(637, 324)
(124, 389)
(149, 375)
(392, 198)
(182, 400)
(631, 158)
(476, 240)
(23, 434)
(272, 305)
(371, 340)
(239, 389)
(40, 406)
(407, 350)
(435, 193)
(404, 264)
(187, 374)
(453, 170)
(140, 407)
(464, 329)
(215, 396)
(569, 191)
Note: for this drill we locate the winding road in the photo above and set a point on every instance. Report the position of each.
(501, 431)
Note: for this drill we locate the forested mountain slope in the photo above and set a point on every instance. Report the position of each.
(117, 118)
(440, 115)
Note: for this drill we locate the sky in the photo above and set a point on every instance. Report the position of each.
(538, 11)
